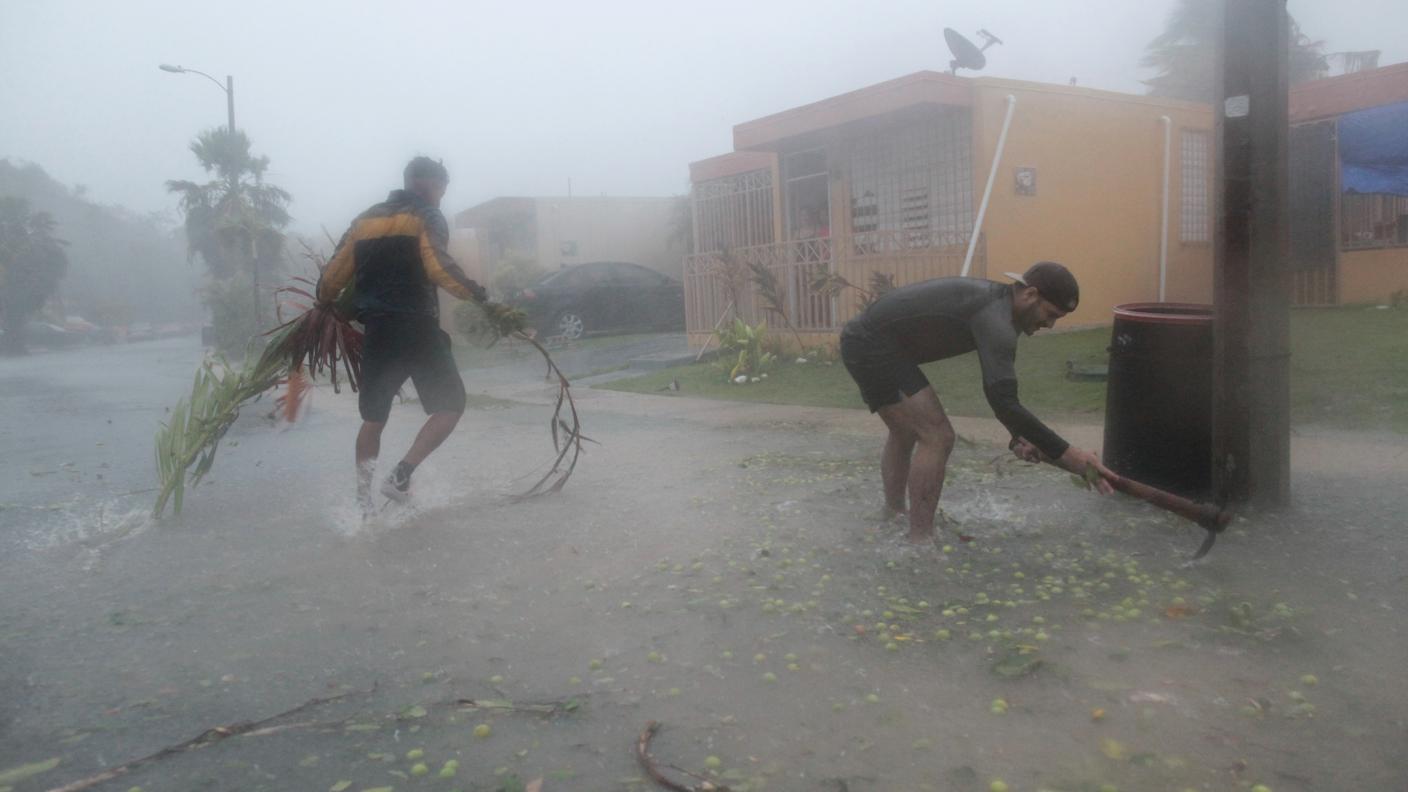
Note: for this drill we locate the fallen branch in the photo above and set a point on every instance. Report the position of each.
(206, 739)
(557, 475)
(548, 708)
(647, 763)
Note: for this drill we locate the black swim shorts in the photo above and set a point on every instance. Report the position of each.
(885, 375)
(395, 350)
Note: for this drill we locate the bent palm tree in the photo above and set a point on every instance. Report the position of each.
(234, 220)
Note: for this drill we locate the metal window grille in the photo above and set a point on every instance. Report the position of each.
(735, 211)
(1196, 203)
(915, 178)
(1370, 220)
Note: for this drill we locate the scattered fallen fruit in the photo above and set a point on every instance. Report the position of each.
(482, 730)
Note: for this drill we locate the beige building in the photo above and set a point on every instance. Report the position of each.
(564, 231)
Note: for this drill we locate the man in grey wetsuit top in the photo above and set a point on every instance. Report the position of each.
(936, 319)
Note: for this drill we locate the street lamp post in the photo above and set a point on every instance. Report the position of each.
(229, 89)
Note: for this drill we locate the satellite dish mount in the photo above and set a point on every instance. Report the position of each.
(966, 54)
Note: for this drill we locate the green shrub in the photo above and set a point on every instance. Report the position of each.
(232, 312)
(515, 273)
(743, 350)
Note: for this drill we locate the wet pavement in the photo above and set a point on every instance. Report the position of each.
(716, 567)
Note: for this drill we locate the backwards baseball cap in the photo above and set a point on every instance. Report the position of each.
(1053, 282)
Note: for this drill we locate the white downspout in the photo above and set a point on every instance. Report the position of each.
(1163, 223)
(987, 193)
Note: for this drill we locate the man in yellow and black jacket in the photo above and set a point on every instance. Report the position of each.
(393, 258)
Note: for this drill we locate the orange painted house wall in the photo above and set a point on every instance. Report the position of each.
(1371, 276)
(1099, 165)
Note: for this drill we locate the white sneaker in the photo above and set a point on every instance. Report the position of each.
(398, 490)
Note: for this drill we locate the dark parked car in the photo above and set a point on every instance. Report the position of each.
(602, 297)
(44, 335)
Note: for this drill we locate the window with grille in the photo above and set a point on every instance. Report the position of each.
(915, 178)
(1370, 220)
(735, 211)
(1196, 204)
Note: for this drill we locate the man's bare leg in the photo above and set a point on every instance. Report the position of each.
(923, 415)
(894, 465)
(437, 427)
(368, 447)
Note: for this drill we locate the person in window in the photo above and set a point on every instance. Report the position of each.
(883, 347)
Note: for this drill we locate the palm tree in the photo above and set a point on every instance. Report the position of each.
(233, 221)
(32, 262)
(1184, 53)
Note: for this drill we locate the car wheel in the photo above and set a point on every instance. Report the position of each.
(569, 325)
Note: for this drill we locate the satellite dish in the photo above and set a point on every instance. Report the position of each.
(966, 54)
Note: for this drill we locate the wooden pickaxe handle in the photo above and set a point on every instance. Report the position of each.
(1204, 514)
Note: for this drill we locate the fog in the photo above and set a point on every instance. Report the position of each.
(727, 483)
(518, 98)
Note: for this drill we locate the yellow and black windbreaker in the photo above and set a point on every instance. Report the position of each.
(393, 257)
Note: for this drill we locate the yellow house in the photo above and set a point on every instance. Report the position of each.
(892, 180)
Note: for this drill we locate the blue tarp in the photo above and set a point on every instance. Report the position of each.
(1374, 150)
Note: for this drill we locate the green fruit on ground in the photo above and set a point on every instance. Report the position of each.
(997, 785)
(482, 730)
(447, 772)
(769, 677)
(1309, 680)
(414, 754)
(419, 769)
(713, 762)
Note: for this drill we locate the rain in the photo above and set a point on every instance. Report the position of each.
(626, 397)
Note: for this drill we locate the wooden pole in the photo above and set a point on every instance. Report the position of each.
(1251, 282)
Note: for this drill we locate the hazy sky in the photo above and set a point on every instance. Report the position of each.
(517, 97)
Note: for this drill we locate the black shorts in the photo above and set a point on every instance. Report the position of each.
(885, 375)
(397, 349)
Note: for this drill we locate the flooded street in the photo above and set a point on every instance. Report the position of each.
(715, 567)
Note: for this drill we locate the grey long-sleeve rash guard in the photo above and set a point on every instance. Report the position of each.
(946, 317)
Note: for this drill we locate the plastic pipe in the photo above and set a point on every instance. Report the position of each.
(987, 193)
(1163, 222)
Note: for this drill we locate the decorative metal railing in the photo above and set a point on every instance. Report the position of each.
(719, 285)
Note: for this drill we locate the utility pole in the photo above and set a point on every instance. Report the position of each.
(229, 89)
(1251, 281)
(230, 100)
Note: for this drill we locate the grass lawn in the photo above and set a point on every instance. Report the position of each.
(1349, 369)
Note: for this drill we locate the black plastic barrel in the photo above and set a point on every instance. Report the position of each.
(1158, 398)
